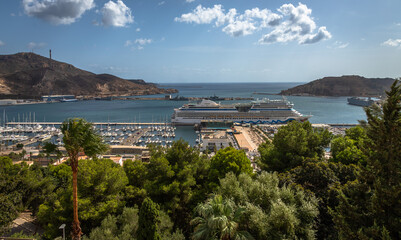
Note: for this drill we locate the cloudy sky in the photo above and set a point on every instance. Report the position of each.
(210, 40)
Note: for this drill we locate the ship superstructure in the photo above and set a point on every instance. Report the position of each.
(263, 111)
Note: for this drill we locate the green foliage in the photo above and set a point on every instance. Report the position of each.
(271, 211)
(21, 187)
(175, 178)
(121, 227)
(370, 208)
(100, 185)
(51, 148)
(350, 149)
(228, 160)
(100, 192)
(125, 227)
(291, 145)
(218, 218)
(22, 235)
(79, 135)
(136, 172)
(19, 146)
(321, 179)
(148, 220)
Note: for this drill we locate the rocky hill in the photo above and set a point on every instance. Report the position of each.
(28, 75)
(342, 86)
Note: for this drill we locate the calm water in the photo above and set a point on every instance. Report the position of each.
(323, 109)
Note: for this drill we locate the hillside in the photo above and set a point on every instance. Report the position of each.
(342, 86)
(28, 75)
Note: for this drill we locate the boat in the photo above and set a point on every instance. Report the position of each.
(216, 98)
(179, 98)
(359, 101)
(263, 111)
(68, 100)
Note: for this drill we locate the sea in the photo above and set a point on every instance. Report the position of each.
(334, 110)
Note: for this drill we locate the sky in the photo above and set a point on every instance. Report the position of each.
(166, 41)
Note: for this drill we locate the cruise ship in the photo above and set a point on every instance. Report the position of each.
(363, 102)
(256, 112)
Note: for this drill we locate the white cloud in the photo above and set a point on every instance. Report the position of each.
(128, 43)
(297, 25)
(138, 44)
(57, 11)
(33, 45)
(189, 1)
(392, 43)
(290, 23)
(201, 15)
(339, 44)
(143, 41)
(161, 3)
(116, 14)
(239, 28)
(2, 43)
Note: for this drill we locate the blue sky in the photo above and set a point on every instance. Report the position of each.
(210, 40)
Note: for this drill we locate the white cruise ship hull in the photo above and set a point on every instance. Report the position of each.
(182, 121)
(257, 112)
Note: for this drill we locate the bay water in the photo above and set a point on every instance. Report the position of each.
(322, 109)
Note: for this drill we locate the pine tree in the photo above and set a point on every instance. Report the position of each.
(148, 220)
(370, 208)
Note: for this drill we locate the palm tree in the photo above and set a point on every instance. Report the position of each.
(79, 136)
(218, 219)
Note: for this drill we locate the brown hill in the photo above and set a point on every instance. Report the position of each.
(342, 86)
(28, 75)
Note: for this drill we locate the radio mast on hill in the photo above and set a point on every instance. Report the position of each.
(50, 57)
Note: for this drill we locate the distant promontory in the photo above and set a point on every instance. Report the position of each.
(28, 75)
(342, 86)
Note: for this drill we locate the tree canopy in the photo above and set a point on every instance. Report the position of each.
(292, 144)
(228, 160)
(269, 211)
(370, 207)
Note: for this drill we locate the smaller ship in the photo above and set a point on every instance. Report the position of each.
(215, 98)
(359, 101)
(179, 98)
(68, 100)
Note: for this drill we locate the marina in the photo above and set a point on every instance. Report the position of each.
(139, 123)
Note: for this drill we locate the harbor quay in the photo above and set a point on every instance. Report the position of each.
(130, 140)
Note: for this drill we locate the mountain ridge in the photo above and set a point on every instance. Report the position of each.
(30, 75)
(346, 85)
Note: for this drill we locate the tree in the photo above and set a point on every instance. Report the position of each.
(125, 227)
(12, 191)
(79, 136)
(50, 148)
(321, 178)
(370, 207)
(228, 160)
(218, 218)
(270, 211)
(100, 189)
(291, 145)
(351, 148)
(148, 220)
(176, 180)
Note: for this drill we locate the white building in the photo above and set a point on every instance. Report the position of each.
(7, 102)
(214, 140)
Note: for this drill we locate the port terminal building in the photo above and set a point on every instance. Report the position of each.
(56, 98)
